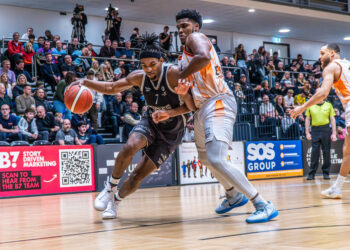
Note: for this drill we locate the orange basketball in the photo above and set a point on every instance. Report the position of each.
(78, 99)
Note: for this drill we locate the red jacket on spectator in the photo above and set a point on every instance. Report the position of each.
(14, 49)
(28, 57)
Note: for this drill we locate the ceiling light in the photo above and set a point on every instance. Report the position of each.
(106, 9)
(208, 20)
(347, 38)
(251, 10)
(284, 30)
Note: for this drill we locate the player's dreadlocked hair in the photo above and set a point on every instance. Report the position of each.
(150, 46)
(190, 14)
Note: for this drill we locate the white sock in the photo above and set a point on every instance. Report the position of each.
(339, 182)
(258, 200)
(114, 183)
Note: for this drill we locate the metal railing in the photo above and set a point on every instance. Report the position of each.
(292, 75)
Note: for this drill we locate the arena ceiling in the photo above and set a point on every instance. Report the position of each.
(229, 15)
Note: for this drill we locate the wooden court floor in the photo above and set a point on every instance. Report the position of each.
(179, 218)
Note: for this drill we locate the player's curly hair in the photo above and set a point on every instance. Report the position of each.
(191, 14)
(150, 46)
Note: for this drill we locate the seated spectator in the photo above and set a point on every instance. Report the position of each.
(265, 89)
(339, 120)
(229, 79)
(46, 49)
(50, 72)
(289, 126)
(224, 63)
(59, 51)
(27, 126)
(15, 48)
(81, 61)
(276, 91)
(19, 70)
(266, 108)
(30, 31)
(239, 93)
(287, 82)
(300, 99)
(116, 109)
(59, 119)
(87, 138)
(115, 47)
(135, 38)
(28, 58)
(280, 105)
(41, 99)
(79, 72)
(41, 41)
(107, 50)
(49, 36)
(118, 70)
(128, 101)
(31, 39)
(270, 68)
(24, 101)
(216, 47)
(98, 99)
(127, 52)
(8, 125)
(18, 89)
(67, 135)
(95, 66)
(280, 68)
(243, 82)
(74, 46)
(6, 65)
(58, 98)
(93, 53)
(67, 65)
(47, 126)
(4, 79)
(289, 99)
(341, 133)
(80, 118)
(106, 74)
(300, 81)
(132, 118)
(5, 99)
(109, 69)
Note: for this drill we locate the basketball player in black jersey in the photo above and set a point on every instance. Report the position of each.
(157, 138)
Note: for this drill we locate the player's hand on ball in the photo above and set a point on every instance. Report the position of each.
(160, 115)
(79, 82)
(182, 86)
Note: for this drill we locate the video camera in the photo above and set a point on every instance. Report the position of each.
(78, 10)
(110, 13)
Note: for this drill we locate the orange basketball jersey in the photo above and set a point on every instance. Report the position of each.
(209, 81)
(342, 86)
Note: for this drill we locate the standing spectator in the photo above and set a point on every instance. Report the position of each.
(67, 135)
(116, 108)
(74, 46)
(127, 52)
(5, 99)
(215, 45)
(98, 99)
(259, 62)
(275, 59)
(41, 100)
(135, 38)
(18, 89)
(107, 50)
(19, 70)
(47, 126)
(241, 58)
(28, 57)
(15, 48)
(27, 126)
(30, 31)
(6, 65)
(132, 118)
(114, 32)
(50, 72)
(67, 65)
(87, 138)
(25, 101)
(59, 95)
(4, 79)
(165, 39)
(321, 115)
(289, 99)
(8, 125)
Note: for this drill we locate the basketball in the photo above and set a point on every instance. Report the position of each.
(78, 99)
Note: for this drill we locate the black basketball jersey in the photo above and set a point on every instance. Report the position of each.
(160, 96)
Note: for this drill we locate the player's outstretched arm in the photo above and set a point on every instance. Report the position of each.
(321, 93)
(200, 47)
(112, 88)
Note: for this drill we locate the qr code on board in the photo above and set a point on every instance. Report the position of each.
(75, 167)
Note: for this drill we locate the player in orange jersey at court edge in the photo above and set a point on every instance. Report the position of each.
(336, 72)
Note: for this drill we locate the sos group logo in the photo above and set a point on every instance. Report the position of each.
(261, 151)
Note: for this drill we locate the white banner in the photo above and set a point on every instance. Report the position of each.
(193, 171)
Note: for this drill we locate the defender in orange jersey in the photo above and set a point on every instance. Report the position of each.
(215, 117)
(336, 73)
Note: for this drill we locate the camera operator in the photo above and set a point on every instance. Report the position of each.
(79, 20)
(166, 39)
(114, 22)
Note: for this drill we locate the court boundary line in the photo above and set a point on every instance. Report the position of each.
(169, 223)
